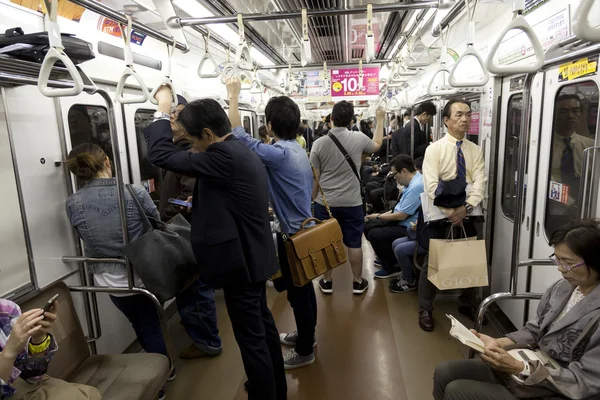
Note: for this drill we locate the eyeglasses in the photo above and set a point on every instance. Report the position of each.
(564, 266)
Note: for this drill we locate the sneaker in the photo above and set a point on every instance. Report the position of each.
(401, 286)
(360, 287)
(290, 339)
(294, 360)
(326, 287)
(162, 394)
(385, 274)
(192, 351)
(377, 263)
(172, 376)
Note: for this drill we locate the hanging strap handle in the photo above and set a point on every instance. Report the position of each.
(370, 38)
(55, 53)
(167, 81)
(126, 31)
(305, 50)
(208, 58)
(321, 190)
(243, 60)
(581, 24)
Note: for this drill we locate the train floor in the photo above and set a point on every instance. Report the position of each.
(369, 347)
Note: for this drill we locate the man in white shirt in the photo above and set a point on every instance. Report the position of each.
(452, 159)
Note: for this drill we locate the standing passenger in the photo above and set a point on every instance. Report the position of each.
(341, 185)
(451, 160)
(231, 233)
(291, 182)
(196, 304)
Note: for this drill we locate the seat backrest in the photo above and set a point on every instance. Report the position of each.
(72, 346)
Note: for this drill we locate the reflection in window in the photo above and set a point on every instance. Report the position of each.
(89, 124)
(511, 155)
(151, 176)
(247, 125)
(574, 130)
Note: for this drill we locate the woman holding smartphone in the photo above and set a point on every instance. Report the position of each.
(27, 348)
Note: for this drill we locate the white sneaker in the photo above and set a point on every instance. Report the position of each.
(294, 360)
(290, 339)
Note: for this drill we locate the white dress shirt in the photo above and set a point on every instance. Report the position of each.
(440, 164)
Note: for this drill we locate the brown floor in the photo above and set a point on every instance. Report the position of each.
(369, 347)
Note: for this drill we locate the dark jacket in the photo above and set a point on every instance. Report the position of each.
(175, 186)
(231, 231)
(401, 143)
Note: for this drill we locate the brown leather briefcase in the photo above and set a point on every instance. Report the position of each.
(315, 250)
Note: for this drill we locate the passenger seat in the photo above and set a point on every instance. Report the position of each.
(117, 377)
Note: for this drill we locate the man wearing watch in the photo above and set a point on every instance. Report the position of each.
(451, 165)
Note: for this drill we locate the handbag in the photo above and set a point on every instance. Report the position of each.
(163, 256)
(314, 250)
(352, 166)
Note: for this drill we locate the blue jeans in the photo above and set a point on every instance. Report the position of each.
(142, 314)
(198, 312)
(404, 249)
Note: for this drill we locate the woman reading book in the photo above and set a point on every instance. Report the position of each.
(565, 332)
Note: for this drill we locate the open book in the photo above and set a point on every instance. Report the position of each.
(464, 335)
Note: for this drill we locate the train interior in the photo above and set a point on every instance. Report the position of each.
(512, 60)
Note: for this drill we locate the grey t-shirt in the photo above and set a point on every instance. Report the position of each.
(340, 185)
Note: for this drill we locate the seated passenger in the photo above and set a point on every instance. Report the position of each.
(565, 328)
(382, 229)
(93, 212)
(27, 348)
(404, 250)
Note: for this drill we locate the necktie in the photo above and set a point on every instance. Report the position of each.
(461, 168)
(567, 161)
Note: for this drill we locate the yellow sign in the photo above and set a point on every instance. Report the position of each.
(337, 86)
(583, 67)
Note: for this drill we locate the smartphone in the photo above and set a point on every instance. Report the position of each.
(50, 303)
(180, 202)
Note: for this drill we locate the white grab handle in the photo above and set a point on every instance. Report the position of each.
(165, 82)
(54, 55)
(242, 54)
(521, 24)
(215, 70)
(121, 86)
(412, 60)
(403, 71)
(470, 52)
(440, 90)
(581, 26)
(129, 69)
(305, 51)
(392, 105)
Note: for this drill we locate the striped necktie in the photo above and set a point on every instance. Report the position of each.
(461, 168)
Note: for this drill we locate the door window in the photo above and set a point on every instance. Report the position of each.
(89, 124)
(574, 130)
(247, 125)
(511, 155)
(151, 176)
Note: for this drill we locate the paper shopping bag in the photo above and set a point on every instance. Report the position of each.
(457, 264)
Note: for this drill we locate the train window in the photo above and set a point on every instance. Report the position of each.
(511, 155)
(574, 130)
(150, 175)
(247, 125)
(89, 124)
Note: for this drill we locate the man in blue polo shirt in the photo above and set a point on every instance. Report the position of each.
(382, 229)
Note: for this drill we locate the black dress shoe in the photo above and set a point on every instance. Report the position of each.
(426, 320)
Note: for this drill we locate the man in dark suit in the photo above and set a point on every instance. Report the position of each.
(231, 232)
(401, 139)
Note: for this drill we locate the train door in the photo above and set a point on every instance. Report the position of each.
(509, 143)
(569, 127)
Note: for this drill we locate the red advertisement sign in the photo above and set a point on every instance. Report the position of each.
(112, 28)
(358, 35)
(474, 127)
(345, 82)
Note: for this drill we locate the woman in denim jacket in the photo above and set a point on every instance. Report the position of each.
(94, 213)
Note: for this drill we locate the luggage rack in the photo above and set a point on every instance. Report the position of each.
(13, 70)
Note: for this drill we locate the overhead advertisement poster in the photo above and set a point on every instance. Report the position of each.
(316, 87)
(345, 83)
